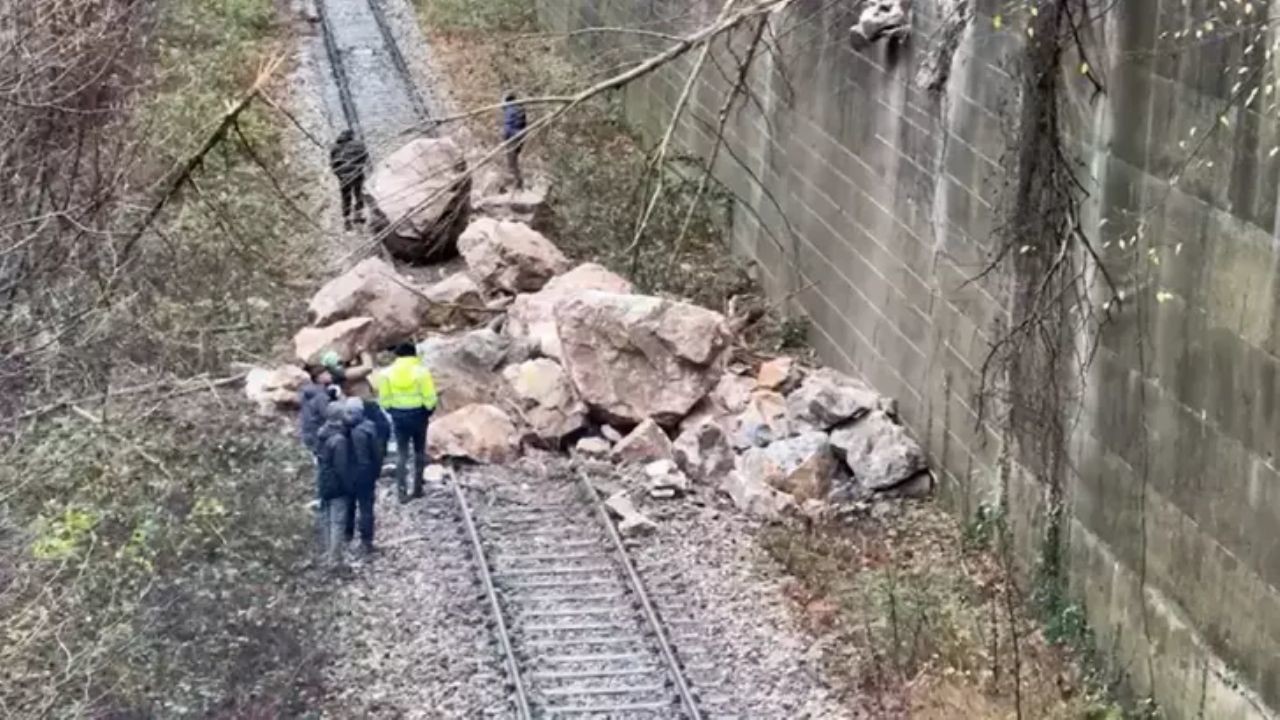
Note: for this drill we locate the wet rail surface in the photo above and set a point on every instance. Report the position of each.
(570, 616)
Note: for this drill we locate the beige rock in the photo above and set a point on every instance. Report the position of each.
(375, 290)
(465, 367)
(420, 197)
(509, 256)
(733, 392)
(483, 433)
(275, 387)
(779, 374)
(645, 444)
(631, 522)
(755, 498)
(803, 467)
(532, 315)
(633, 357)
(348, 338)
(593, 447)
(665, 479)
(528, 206)
(448, 301)
(547, 400)
(703, 452)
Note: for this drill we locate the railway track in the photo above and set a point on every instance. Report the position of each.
(355, 16)
(574, 623)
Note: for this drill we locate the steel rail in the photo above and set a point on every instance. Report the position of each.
(397, 59)
(486, 578)
(339, 70)
(637, 586)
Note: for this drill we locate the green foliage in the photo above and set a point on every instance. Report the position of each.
(64, 536)
(982, 530)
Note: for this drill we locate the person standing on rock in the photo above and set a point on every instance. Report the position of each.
(336, 480)
(407, 392)
(348, 159)
(367, 451)
(514, 123)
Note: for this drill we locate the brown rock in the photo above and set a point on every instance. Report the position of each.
(802, 467)
(510, 257)
(633, 357)
(778, 374)
(375, 290)
(645, 444)
(547, 400)
(420, 197)
(532, 315)
(483, 433)
(879, 451)
(455, 299)
(348, 338)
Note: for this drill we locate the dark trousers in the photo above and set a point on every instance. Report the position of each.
(361, 507)
(513, 164)
(352, 189)
(411, 432)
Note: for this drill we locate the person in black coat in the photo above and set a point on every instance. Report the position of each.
(348, 159)
(336, 479)
(514, 123)
(368, 450)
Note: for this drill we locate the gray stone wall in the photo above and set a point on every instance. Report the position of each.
(871, 202)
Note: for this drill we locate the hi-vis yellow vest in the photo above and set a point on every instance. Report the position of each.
(406, 385)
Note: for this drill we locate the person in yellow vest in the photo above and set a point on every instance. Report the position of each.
(407, 392)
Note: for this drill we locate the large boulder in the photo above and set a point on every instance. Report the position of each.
(420, 198)
(763, 421)
(827, 398)
(455, 299)
(645, 444)
(880, 452)
(483, 433)
(465, 367)
(548, 403)
(703, 452)
(276, 387)
(348, 338)
(532, 315)
(633, 357)
(510, 256)
(375, 290)
(803, 467)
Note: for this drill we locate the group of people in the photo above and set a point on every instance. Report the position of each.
(348, 433)
(348, 159)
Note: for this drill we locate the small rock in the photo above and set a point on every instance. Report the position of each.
(778, 374)
(510, 256)
(631, 522)
(645, 444)
(593, 447)
(483, 433)
(665, 479)
(434, 473)
(659, 468)
(827, 398)
(756, 498)
(879, 451)
(733, 392)
(610, 433)
(703, 452)
(637, 526)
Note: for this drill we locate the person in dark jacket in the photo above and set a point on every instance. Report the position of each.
(514, 123)
(348, 159)
(368, 452)
(336, 478)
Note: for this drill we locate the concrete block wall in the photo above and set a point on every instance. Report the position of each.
(870, 203)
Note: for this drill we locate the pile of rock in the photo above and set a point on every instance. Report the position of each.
(571, 355)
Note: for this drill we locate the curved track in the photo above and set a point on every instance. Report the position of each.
(574, 621)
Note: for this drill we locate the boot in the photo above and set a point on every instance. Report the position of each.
(417, 488)
(401, 494)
